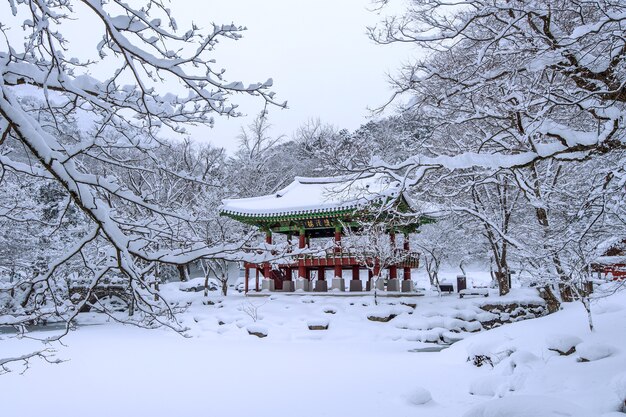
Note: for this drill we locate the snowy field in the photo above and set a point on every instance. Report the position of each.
(355, 368)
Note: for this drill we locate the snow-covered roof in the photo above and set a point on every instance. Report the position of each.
(312, 195)
(611, 260)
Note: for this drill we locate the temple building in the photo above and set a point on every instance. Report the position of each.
(322, 208)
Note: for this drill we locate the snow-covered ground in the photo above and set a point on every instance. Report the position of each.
(355, 367)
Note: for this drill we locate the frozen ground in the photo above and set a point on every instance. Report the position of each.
(355, 368)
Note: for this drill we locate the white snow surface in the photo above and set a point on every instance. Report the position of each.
(357, 366)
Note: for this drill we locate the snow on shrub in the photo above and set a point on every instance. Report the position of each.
(488, 353)
(588, 351)
(563, 344)
(526, 406)
(419, 396)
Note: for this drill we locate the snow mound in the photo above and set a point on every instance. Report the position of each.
(523, 358)
(607, 308)
(526, 406)
(419, 396)
(618, 383)
(588, 351)
(490, 385)
(563, 344)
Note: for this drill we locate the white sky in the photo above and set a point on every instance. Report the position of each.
(316, 51)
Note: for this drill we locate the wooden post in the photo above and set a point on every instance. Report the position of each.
(301, 245)
(256, 280)
(266, 266)
(337, 249)
(393, 269)
(247, 278)
(356, 273)
(407, 270)
(321, 273)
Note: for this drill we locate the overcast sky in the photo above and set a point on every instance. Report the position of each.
(316, 51)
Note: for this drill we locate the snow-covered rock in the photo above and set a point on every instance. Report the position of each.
(589, 351)
(385, 313)
(318, 324)
(419, 396)
(257, 330)
(563, 344)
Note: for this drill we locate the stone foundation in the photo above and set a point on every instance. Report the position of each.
(356, 285)
(338, 284)
(303, 285)
(393, 285)
(407, 285)
(267, 285)
(321, 286)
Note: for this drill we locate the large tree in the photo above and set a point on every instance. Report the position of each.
(91, 145)
(532, 93)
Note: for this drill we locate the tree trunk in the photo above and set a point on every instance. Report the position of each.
(552, 302)
(224, 286)
(182, 273)
(502, 277)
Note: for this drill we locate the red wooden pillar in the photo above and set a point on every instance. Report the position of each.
(256, 280)
(355, 273)
(266, 266)
(247, 278)
(407, 270)
(338, 270)
(393, 269)
(321, 273)
(301, 244)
